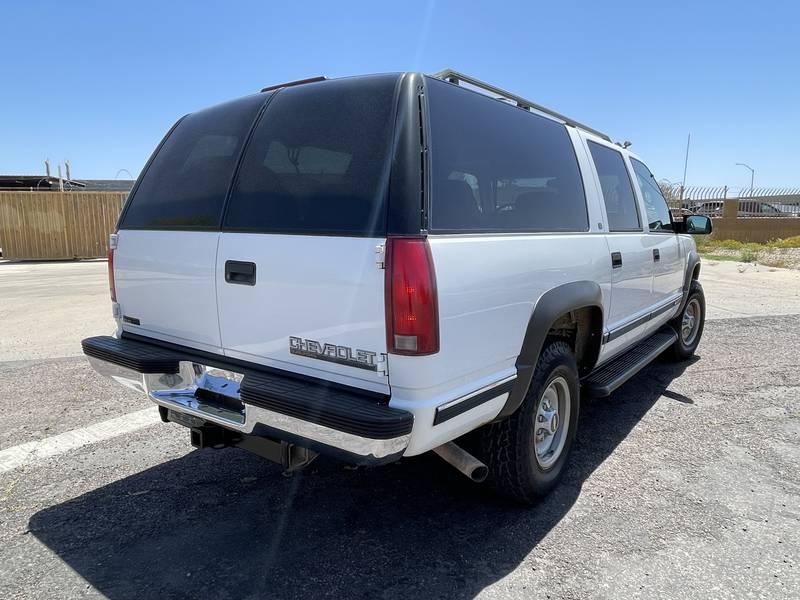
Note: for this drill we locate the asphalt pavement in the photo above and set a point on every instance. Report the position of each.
(683, 484)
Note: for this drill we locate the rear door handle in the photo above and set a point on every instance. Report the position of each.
(240, 273)
(616, 260)
(656, 255)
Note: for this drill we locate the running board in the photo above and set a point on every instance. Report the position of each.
(607, 378)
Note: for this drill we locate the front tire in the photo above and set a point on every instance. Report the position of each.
(689, 324)
(527, 452)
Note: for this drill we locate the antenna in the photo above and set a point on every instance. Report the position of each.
(47, 166)
(66, 165)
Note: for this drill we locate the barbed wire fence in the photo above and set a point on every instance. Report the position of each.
(709, 200)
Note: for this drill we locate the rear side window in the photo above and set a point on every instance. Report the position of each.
(496, 167)
(623, 214)
(318, 161)
(185, 185)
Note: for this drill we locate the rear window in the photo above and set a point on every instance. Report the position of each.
(497, 167)
(318, 161)
(184, 186)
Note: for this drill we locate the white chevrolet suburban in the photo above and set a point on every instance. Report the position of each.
(375, 267)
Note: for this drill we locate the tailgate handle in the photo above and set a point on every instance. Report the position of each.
(241, 273)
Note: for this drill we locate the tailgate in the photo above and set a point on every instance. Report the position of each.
(316, 306)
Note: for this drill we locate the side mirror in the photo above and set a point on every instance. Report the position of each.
(697, 225)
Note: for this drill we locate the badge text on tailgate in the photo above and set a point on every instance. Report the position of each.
(343, 355)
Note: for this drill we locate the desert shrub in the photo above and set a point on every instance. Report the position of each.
(748, 255)
(790, 242)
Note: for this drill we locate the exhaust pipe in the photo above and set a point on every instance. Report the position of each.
(463, 461)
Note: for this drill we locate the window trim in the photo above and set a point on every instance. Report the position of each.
(638, 229)
(504, 233)
(671, 231)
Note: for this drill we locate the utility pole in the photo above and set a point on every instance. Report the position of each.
(686, 159)
(685, 165)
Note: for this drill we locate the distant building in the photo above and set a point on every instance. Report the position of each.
(108, 185)
(36, 183)
(44, 183)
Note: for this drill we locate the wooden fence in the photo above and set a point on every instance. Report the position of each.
(57, 225)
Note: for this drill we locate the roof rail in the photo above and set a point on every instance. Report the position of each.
(293, 83)
(457, 78)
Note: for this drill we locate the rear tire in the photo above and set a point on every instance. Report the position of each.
(527, 452)
(689, 324)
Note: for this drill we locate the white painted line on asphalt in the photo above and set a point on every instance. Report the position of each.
(16, 456)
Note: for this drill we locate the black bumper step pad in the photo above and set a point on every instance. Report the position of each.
(350, 410)
(612, 375)
(324, 405)
(138, 356)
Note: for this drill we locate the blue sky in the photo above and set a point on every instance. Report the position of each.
(100, 82)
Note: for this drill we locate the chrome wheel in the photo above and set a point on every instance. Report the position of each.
(690, 323)
(552, 422)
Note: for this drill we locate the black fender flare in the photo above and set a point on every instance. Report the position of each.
(550, 306)
(692, 260)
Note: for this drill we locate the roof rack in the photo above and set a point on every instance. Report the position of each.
(458, 78)
(293, 83)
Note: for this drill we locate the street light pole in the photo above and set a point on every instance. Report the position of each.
(752, 175)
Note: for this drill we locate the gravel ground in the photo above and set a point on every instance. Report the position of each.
(782, 257)
(749, 290)
(47, 308)
(685, 483)
(79, 397)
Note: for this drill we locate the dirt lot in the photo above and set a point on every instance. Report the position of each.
(685, 483)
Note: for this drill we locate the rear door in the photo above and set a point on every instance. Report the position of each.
(299, 283)
(629, 253)
(165, 261)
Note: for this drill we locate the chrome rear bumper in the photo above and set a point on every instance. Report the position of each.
(214, 395)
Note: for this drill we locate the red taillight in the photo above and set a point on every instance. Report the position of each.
(412, 307)
(111, 285)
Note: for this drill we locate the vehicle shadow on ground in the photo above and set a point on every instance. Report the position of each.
(226, 524)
